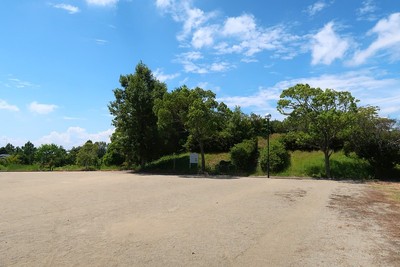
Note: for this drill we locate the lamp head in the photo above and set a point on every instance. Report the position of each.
(268, 116)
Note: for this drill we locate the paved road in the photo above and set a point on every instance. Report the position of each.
(122, 219)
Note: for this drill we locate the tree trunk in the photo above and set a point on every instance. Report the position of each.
(327, 164)
(203, 160)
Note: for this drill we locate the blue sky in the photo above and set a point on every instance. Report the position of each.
(61, 59)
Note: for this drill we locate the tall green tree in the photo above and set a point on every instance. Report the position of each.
(172, 111)
(320, 116)
(134, 118)
(50, 155)
(88, 155)
(28, 153)
(190, 116)
(202, 120)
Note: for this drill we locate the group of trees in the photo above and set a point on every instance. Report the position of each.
(48, 156)
(329, 120)
(150, 122)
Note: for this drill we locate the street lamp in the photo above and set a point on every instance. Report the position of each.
(268, 117)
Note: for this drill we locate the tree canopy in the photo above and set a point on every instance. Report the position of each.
(134, 119)
(320, 117)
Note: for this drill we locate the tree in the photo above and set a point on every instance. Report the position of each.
(376, 140)
(9, 149)
(88, 155)
(50, 155)
(172, 111)
(71, 155)
(202, 119)
(134, 118)
(190, 115)
(320, 116)
(113, 155)
(101, 149)
(28, 153)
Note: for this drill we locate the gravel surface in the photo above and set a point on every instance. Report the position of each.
(124, 219)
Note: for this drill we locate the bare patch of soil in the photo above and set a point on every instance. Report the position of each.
(375, 207)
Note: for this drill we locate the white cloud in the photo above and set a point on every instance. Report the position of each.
(233, 35)
(4, 105)
(242, 35)
(162, 77)
(182, 11)
(388, 40)
(17, 83)
(163, 3)
(70, 8)
(101, 41)
(366, 85)
(203, 37)
(327, 46)
(102, 2)
(220, 66)
(239, 26)
(367, 11)
(192, 63)
(188, 61)
(42, 109)
(74, 136)
(316, 7)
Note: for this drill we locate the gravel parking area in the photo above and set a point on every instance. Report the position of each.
(124, 219)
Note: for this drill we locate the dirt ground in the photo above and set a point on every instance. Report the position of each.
(123, 219)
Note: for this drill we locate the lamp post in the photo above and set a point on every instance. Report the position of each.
(268, 117)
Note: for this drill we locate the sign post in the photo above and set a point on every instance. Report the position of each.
(194, 159)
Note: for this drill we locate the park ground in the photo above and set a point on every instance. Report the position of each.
(125, 219)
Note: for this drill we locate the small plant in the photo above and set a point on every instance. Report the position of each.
(279, 157)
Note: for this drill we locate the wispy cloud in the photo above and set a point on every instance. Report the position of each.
(316, 7)
(101, 41)
(41, 109)
(367, 11)
(327, 45)
(192, 63)
(13, 82)
(102, 2)
(5, 106)
(162, 77)
(69, 8)
(387, 41)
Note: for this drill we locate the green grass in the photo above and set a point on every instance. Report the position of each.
(311, 164)
(19, 168)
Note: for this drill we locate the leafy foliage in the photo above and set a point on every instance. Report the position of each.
(376, 140)
(244, 155)
(50, 156)
(320, 117)
(279, 157)
(88, 156)
(134, 118)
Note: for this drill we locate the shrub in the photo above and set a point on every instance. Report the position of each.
(244, 155)
(279, 157)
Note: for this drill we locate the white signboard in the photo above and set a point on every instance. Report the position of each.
(194, 158)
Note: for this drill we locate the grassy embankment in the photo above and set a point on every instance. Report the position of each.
(303, 164)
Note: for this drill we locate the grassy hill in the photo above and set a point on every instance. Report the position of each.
(303, 164)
